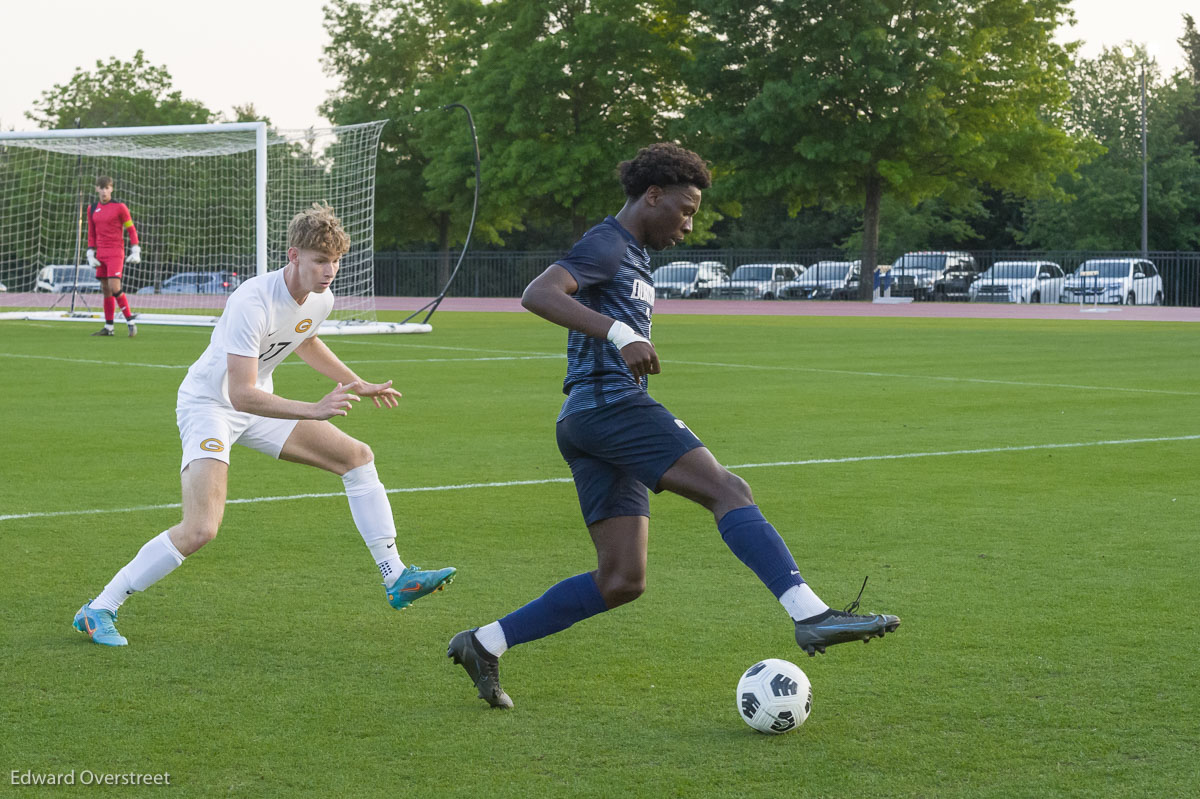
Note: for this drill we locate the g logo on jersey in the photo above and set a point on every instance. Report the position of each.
(212, 445)
(304, 326)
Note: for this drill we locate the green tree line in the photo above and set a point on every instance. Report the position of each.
(877, 125)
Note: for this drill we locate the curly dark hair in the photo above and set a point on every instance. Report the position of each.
(663, 164)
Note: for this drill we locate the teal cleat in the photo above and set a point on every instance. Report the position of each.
(98, 624)
(412, 584)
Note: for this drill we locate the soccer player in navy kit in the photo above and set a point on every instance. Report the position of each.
(619, 442)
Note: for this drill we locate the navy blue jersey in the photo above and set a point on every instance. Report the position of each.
(613, 273)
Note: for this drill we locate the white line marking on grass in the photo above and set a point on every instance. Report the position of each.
(549, 480)
(453, 360)
(409, 343)
(290, 362)
(91, 360)
(935, 377)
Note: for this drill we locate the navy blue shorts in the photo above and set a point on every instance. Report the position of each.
(618, 451)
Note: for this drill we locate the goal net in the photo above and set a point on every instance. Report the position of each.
(211, 205)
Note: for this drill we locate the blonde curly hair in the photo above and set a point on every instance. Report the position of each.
(318, 228)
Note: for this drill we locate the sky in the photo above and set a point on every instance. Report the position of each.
(268, 52)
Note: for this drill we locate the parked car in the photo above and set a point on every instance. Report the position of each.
(62, 278)
(1123, 281)
(1019, 281)
(757, 281)
(819, 281)
(915, 274)
(687, 280)
(201, 283)
(3, 287)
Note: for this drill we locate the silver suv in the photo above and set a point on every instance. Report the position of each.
(687, 280)
(758, 281)
(1123, 281)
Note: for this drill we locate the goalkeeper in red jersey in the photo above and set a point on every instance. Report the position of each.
(107, 223)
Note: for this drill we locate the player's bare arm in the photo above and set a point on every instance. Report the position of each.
(549, 296)
(248, 398)
(316, 354)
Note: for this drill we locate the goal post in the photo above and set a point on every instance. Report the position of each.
(211, 204)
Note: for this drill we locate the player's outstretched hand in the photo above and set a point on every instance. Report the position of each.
(641, 358)
(382, 393)
(337, 402)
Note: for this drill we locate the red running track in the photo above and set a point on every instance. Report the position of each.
(920, 310)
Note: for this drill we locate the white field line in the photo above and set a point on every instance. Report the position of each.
(533, 356)
(547, 481)
(89, 360)
(289, 362)
(854, 373)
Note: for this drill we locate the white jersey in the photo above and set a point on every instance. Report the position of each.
(261, 320)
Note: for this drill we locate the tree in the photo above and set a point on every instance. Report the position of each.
(117, 94)
(400, 60)
(1189, 84)
(563, 90)
(1105, 209)
(820, 102)
(1190, 42)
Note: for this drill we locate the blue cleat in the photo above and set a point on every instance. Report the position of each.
(412, 584)
(98, 624)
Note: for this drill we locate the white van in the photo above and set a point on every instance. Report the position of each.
(61, 278)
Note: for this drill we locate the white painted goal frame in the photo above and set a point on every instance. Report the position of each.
(46, 182)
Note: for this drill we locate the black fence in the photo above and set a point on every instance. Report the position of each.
(506, 273)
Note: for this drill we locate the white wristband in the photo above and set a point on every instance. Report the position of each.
(622, 335)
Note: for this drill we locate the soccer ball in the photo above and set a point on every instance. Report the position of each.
(774, 696)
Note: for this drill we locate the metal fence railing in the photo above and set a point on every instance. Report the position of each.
(792, 274)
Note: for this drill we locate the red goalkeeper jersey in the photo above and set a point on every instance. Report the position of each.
(106, 225)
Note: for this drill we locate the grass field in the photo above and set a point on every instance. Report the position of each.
(1021, 493)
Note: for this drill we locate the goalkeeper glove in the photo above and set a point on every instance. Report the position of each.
(91, 258)
(135, 255)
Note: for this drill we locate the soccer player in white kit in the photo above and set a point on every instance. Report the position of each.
(227, 397)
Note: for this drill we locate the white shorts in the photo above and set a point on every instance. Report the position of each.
(208, 431)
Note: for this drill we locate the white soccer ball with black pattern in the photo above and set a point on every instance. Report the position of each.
(774, 696)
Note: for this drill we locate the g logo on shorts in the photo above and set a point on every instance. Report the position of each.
(304, 326)
(212, 445)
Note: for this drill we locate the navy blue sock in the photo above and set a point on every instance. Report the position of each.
(759, 546)
(574, 599)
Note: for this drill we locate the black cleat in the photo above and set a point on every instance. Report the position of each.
(104, 331)
(839, 626)
(482, 666)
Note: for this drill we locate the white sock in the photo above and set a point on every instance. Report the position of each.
(108, 326)
(491, 637)
(154, 561)
(372, 514)
(800, 602)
